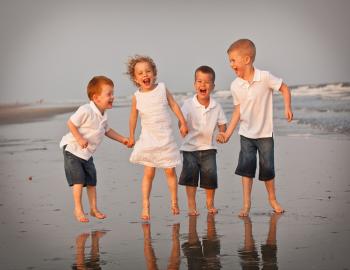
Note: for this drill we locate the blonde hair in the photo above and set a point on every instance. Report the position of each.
(245, 46)
(94, 86)
(139, 59)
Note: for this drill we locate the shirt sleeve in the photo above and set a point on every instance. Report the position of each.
(79, 117)
(274, 82)
(222, 117)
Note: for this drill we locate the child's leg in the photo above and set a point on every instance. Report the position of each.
(247, 184)
(78, 207)
(175, 255)
(172, 184)
(148, 175)
(191, 200)
(270, 188)
(80, 250)
(210, 201)
(91, 191)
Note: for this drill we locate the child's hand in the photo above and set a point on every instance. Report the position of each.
(221, 138)
(125, 141)
(288, 114)
(131, 142)
(183, 129)
(83, 143)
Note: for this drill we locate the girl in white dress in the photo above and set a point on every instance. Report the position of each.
(156, 146)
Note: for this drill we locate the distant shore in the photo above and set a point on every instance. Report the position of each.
(24, 113)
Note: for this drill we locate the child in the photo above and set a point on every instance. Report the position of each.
(252, 97)
(156, 147)
(203, 114)
(87, 126)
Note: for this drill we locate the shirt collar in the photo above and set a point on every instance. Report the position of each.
(212, 102)
(96, 110)
(256, 78)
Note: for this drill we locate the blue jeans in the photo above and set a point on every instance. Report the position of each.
(78, 170)
(247, 158)
(199, 164)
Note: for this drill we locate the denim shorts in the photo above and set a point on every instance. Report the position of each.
(199, 164)
(247, 158)
(78, 170)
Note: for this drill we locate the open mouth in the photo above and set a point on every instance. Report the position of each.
(146, 81)
(202, 91)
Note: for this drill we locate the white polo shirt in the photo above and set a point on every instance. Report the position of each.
(201, 123)
(92, 125)
(255, 102)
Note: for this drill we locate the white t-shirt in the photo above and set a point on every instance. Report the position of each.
(255, 102)
(92, 125)
(202, 123)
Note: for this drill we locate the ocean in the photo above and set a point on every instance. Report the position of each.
(319, 110)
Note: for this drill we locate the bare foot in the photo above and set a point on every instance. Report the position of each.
(277, 208)
(97, 214)
(244, 212)
(145, 214)
(80, 216)
(193, 212)
(175, 208)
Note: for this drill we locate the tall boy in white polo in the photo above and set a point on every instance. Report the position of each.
(255, 100)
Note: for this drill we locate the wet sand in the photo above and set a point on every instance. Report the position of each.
(38, 231)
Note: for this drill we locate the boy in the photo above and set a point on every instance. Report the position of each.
(252, 98)
(203, 114)
(87, 127)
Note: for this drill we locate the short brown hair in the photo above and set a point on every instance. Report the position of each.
(139, 59)
(95, 85)
(206, 70)
(245, 45)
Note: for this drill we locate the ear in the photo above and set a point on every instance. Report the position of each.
(247, 59)
(95, 97)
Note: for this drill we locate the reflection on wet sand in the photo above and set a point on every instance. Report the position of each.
(91, 261)
(205, 254)
(249, 254)
(150, 257)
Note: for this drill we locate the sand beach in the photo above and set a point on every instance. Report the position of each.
(38, 230)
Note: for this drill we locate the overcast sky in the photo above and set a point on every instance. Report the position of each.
(50, 49)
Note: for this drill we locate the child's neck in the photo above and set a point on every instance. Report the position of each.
(204, 101)
(149, 89)
(248, 74)
(102, 110)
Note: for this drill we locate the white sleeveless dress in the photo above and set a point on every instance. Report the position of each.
(156, 146)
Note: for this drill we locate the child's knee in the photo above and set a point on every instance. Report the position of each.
(170, 172)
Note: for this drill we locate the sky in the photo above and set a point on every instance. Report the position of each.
(50, 49)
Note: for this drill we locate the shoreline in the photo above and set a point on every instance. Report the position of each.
(25, 113)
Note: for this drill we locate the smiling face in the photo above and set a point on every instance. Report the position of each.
(104, 99)
(144, 76)
(238, 62)
(203, 85)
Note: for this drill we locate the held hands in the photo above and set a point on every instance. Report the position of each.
(130, 142)
(222, 137)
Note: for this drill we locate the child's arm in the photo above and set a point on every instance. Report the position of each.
(74, 130)
(176, 109)
(112, 134)
(287, 102)
(132, 122)
(225, 136)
